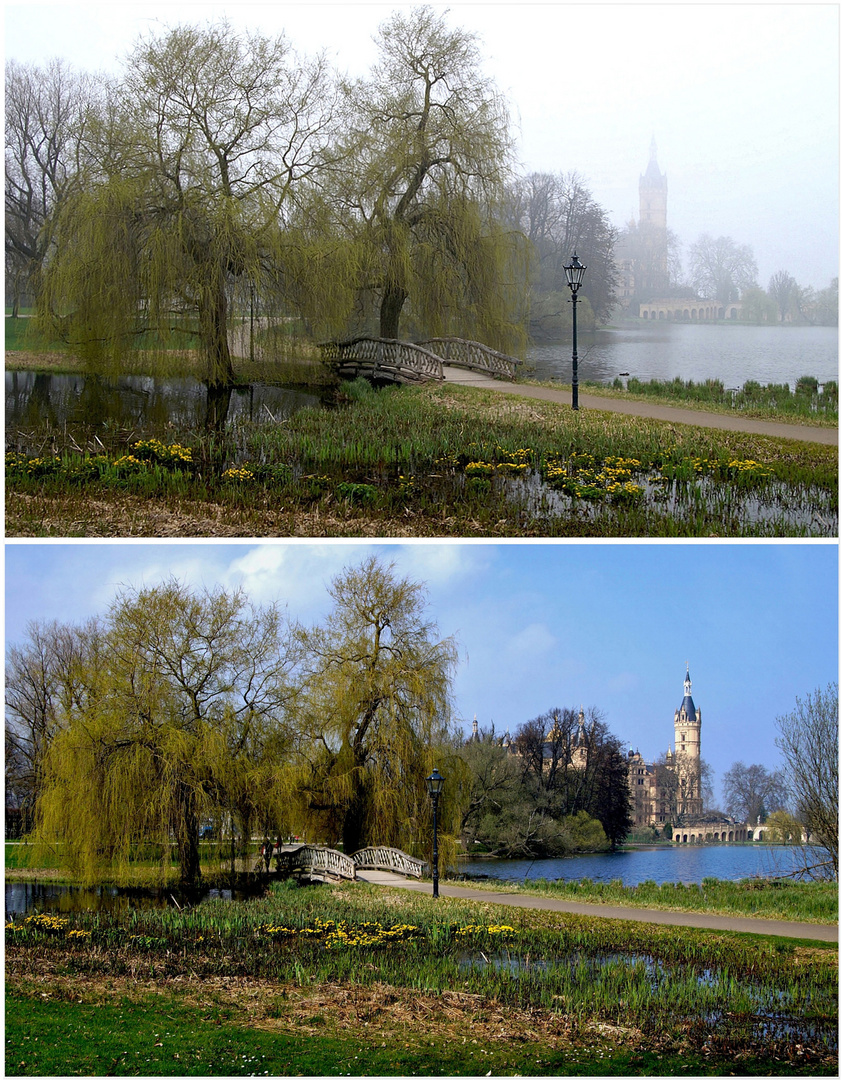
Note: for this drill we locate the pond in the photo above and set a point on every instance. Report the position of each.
(23, 897)
(665, 351)
(685, 863)
(93, 405)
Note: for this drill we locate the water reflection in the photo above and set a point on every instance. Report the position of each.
(94, 404)
(23, 897)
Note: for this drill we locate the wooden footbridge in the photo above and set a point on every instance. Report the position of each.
(410, 362)
(312, 863)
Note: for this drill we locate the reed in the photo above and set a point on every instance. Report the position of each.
(674, 985)
(446, 454)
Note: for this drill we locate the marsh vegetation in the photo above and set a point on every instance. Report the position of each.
(575, 992)
(425, 461)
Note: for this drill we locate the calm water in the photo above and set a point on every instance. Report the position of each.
(143, 404)
(26, 896)
(686, 863)
(734, 354)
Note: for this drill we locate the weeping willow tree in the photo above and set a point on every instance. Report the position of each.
(376, 703)
(181, 715)
(199, 153)
(426, 163)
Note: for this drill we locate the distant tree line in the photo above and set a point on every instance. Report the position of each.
(721, 269)
(553, 789)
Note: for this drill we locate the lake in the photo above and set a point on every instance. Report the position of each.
(687, 863)
(660, 350)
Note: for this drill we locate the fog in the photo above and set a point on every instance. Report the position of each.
(741, 99)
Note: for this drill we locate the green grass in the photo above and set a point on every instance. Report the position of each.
(765, 898)
(369, 957)
(459, 461)
(160, 1036)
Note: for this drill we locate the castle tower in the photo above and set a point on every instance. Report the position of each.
(579, 754)
(688, 750)
(653, 192)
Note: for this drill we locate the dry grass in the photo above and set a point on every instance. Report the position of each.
(115, 514)
(375, 1013)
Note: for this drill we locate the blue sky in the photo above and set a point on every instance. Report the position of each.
(538, 624)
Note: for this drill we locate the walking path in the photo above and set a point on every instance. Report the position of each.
(669, 413)
(774, 927)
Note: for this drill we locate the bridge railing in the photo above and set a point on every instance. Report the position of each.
(473, 354)
(389, 858)
(399, 361)
(316, 861)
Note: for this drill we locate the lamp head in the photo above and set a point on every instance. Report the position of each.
(575, 273)
(435, 782)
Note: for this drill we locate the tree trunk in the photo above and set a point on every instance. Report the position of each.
(213, 330)
(394, 297)
(353, 824)
(187, 838)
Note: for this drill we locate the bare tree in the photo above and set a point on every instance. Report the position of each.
(751, 792)
(559, 215)
(783, 289)
(720, 268)
(809, 740)
(48, 114)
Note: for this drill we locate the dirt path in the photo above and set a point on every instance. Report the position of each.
(669, 413)
(774, 927)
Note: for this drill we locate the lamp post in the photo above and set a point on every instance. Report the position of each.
(575, 275)
(435, 782)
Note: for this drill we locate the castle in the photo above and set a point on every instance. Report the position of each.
(664, 791)
(642, 259)
(664, 794)
(641, 253)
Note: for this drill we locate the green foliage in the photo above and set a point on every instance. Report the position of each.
(544, 796)
(424, 159)
(176, 714)
(375, 707)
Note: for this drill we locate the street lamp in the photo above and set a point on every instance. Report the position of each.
(435, 782)
(575, 275)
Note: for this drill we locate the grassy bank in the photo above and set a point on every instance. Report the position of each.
(428, 461)
(779, 401)
(352, 979)
(762, 898)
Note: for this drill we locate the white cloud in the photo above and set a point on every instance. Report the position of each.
(290, 573)
(441, 564)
